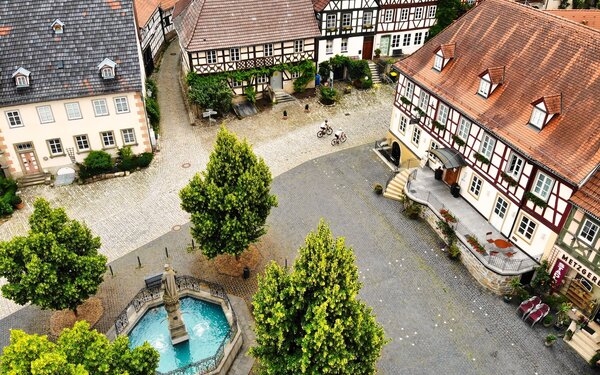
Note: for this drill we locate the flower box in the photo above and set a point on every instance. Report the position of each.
(346, 28)
(332, 29)
(405, 100)
(536, 200)
(458, 140)
(437, 125)
(481, 158)
(509, 180)
(447, 216)
(475, 244)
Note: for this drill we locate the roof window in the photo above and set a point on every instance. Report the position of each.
(21, 77)
(57, 26)
(544, 109)
(107, 68)
(443, 54)
(491, 78)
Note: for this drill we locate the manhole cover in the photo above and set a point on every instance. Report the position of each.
(173, 53)
(413, 191)
(186, 165)
(176, 228)
(346, 114)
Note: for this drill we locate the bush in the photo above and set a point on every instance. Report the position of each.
(5, 208)
(594, 360)
(128, 164)
(378, 189)
(6, 185)
(145, 159)
(412, 209)
(210, 92)
(15, 200)
(250, 94)
(153, 113)
(98, 162)
(453, 251)
(329, 95)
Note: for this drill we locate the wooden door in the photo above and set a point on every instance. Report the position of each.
(367, 51)
(30, 165)
(277, 81)
(451, 176)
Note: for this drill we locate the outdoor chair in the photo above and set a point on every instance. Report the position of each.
(528, 305)
(538, 313)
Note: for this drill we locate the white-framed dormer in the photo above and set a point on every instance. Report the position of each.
(490, 79)
(443, 54)
(544, 109)
(107, 68)
(57, 27)
(21, 77)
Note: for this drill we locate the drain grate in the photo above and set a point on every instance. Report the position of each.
(186, 165)
(176, 228)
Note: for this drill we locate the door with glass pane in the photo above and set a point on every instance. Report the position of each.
(499, 212)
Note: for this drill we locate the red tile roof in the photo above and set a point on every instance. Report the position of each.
(145, 8)
(496, 74)
(544, 55)
(588, 197)
(448, 50)
(216, 24)
(553, 103)
(588, 17)
(320, 4)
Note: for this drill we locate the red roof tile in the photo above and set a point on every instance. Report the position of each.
(496, 74)
(588, 197)
(448, 50)
(216, 24)
(320, 4)
(553, 103)
(588, 17)
(145, 8)
(543, 55)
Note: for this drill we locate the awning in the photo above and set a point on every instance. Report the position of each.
(450, 157)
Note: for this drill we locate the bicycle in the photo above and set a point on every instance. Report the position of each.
(339, 139)
(324, 129)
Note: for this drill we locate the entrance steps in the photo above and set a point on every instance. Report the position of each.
(374, 72)
(34, 179)
(395, 188)
(283, 97)
(584, 343)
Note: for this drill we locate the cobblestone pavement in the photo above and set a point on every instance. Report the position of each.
(439, 319)
(128, 212)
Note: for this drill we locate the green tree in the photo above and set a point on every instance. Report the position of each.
(210, 92)
(56, 266)
(447, 12)
(78, 351)
(309, 321)
(229, 202)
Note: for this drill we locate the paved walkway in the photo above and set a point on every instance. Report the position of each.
(129, 212)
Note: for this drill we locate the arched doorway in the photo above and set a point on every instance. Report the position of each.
(396, 153)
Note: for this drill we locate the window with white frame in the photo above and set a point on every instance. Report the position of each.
(410, 89)
(537, 118)
(100, 107)
(418, 38)
(45, 114)
(346, 19)
(236, 83)
(82, 143)
(389, 15)
(431, 11)
(211, 57)
(463, 129)
(543, 186)
(500, 207)
(404, 14)
(487, 146)
(121, 104)
(514, 166)
(406, 40)
(262, 79)
(403, 123)
(430, 155)
(588, 231)
(268, 49)
(442, 115)
(298, 46)
(416, 136)
(295, 75)
(367, 18)
(526, 227)
(475, 187)
(234, 54)
(21, 81)
(438, 62)
(55, 147)
(344, 44)
(73, 111)
(14, 119)
(331, 21)
(395, 41)
(108, 139)
(108, 72)
(484, 88)
(423, 100)
(128, 136)
(419, 13)
(329, 46)
(426, 34)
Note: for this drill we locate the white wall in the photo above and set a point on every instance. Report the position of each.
(407, 50)
(355, 45)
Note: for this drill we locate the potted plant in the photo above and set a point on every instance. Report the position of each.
(17, 202)
(377, 53)
(568, 335)
(515, 287)
(550, 340)
(348, 89)
(378, 189)
(548, 321)
(562, 315)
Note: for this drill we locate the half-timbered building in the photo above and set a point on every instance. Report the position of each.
(508, 89)
(403, 25)
(347, 28)
(219, 36)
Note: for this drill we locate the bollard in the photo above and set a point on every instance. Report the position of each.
(139, 262)
(111, 271)
(286, 263)
(285, 115)
(306, 109)
(193, 244)
(167, 251)
(246, 273)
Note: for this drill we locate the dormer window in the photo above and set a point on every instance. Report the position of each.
(438, 63)
(491, 78)
(538, 117)
(484, 88)
(443, 54)
(21, 77)
(544, 109)
(57, 26)
(107, 69)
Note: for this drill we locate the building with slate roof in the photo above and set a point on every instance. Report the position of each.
(222, 36)
(513, 90)
(71, 81)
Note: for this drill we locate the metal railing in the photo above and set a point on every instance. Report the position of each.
(185, 282)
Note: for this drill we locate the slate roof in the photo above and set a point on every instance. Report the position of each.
(588, 196)
(145, 8)
(94, 30)
(217, 24)
(544, 55)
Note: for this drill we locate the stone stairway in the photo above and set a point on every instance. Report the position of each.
(282, 96)
(584, 343)
(34, 179)
(395, 189)
(374, 72)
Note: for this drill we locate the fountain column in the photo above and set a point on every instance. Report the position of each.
(171, 301)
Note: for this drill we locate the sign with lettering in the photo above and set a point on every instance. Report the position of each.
(580, 268)
(559, 271)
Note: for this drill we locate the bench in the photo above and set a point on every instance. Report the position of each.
(153, 281)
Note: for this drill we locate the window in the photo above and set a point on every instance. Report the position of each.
(410, 89)
(108, 139)
(418, 38)
(404, 14)
(295, 75)
(14, 119)
(367, 19)
(347, 20)
(403, 123)
(416, 136)
(464, 128)
(82, 143)
(167, 21)
(128, 136)
(389, 14)
(236, 83)
(100, 107)
(73, 111)
(475, 187)
(423, 100)
(501, 207)
(588, 231)
(121, 105)
(211, 57)
(107, 72)
(298, 46)
(419, 13)
(329, 47)
(514, 166)
(526, 227)
(45, 114)
(543, 186)
(21, 81)
(438, 62)
(406, 41)
(24, 146)
(431, 11)
(262, 79)
(331, 21)
(268, 50)
(344, 44)
(537, 118)
(484, 88)
(396, 41)
(55, 147)
(234, 54)
(442, 115)
(487, 146)
(426, 34)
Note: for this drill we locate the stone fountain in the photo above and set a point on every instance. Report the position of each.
(171, 300)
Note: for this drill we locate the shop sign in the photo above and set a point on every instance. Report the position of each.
(558, 273)
(580, 268)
